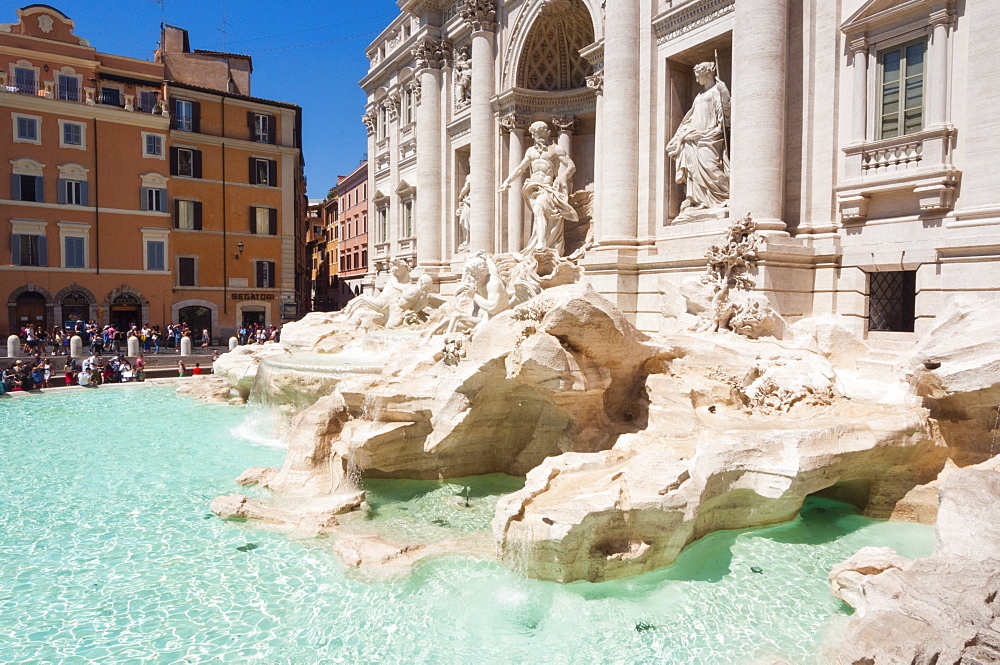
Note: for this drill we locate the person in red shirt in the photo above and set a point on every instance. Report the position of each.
(197, 370)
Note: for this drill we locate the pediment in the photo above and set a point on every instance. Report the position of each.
(878, 13)
(379, 197)
(404, 188)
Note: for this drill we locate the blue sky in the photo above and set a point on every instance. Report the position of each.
(307, 52)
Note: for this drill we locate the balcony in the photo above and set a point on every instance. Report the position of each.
(919, 163)
(148, 101)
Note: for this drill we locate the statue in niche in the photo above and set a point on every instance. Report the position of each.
(699, 145)
(462, 215)
(461, 77)
(546, 190)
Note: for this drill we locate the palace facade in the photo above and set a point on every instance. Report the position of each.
(143, 191)
(861, 136)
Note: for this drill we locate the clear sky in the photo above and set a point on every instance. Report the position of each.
(307, 52)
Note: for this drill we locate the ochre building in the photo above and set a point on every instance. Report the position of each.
(143, 191)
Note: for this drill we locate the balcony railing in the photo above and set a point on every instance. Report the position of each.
(24, 87)
(69, 93)
(144, 101)
(112, 97)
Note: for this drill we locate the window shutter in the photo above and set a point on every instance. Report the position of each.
(196, 117)
(260, 274)
(197, 215)
(15, 248)
(85, 193)
(272, 222)
(253, 219)
(15, 187)
(272, 173)
(174, 115)
(61, 191)
(173, 161)
(271, 130)
(43, 251)
(197, 163)
(39, 189)
(143, 198)
(253, 171)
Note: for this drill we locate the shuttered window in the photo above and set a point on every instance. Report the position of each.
(27, 188)
(187, 215)
(265, 274)
(155, 255)
(74, 252)
(186, 271)
(28, 250)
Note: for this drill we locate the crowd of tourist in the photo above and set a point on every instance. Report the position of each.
(41, 367)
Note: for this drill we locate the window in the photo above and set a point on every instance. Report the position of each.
(364, 257)
(263, 221)
(383, 224)
(27, 188)
(902, 90)
(26, 129)
(73, 192)
(185, 162)
(28, 250)
(147, 101)
(73, 252)
(407, 225)
(24, 80)
(72, 133)
(892, 300)
(154, 198)
(112, 97)
(407, 106)
(187, 215)
(69, 88)
(265, 274)
(184, 115)
(155, 255)
(187, 271)
(261, 127)
(263, 172)
(153, 145)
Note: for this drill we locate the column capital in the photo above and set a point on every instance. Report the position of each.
(415, 87)
(596, 82)
(391, 105)
(859, 44)
(514, 122)
(480, 15)
(431, 53)
(564, 123)
(369, 118)
(941, 16)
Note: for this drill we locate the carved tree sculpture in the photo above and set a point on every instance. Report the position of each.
(728, 268)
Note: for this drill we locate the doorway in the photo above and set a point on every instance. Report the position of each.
(75, 307)
(253, 316)
(30, 307)
(197, 318)
(126, 311)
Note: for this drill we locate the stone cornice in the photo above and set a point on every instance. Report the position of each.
(678, 21)
(480, 15)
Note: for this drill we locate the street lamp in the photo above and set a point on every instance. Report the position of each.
(239, 247)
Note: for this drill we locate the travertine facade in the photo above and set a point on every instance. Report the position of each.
(859, 135)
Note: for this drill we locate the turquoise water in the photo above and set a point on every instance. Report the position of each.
(108, 554)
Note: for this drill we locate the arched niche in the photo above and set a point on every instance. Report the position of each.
(549, 56)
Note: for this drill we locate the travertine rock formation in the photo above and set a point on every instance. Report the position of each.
(941, 609)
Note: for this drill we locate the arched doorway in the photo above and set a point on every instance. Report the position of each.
(197, 318)
(75, 307)
(30, 307)
(126, 311)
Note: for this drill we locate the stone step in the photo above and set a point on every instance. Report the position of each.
(879, 365)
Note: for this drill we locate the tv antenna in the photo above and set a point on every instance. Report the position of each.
(225, 24)
(163, 10)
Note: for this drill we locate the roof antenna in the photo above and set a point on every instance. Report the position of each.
(225, 24)
(163, 11)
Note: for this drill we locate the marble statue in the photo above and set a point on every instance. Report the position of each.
(481, 295)
(399, 277)
(463, 216)
(409, 306)
(546, 190)
(461, 76)
(699, 145)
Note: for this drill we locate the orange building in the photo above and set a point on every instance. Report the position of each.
(352, 192)
(143, 191)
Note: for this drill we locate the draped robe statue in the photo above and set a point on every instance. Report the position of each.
(546, 190)
(699, 145)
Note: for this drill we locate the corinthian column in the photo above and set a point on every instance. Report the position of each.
(760, 54)
(564, 125)
(480, 15)
(430, 55)
(620, 132)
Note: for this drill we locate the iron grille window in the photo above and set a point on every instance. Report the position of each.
(892, 300)
(111, 97)
(24, 80)
(69, 88)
